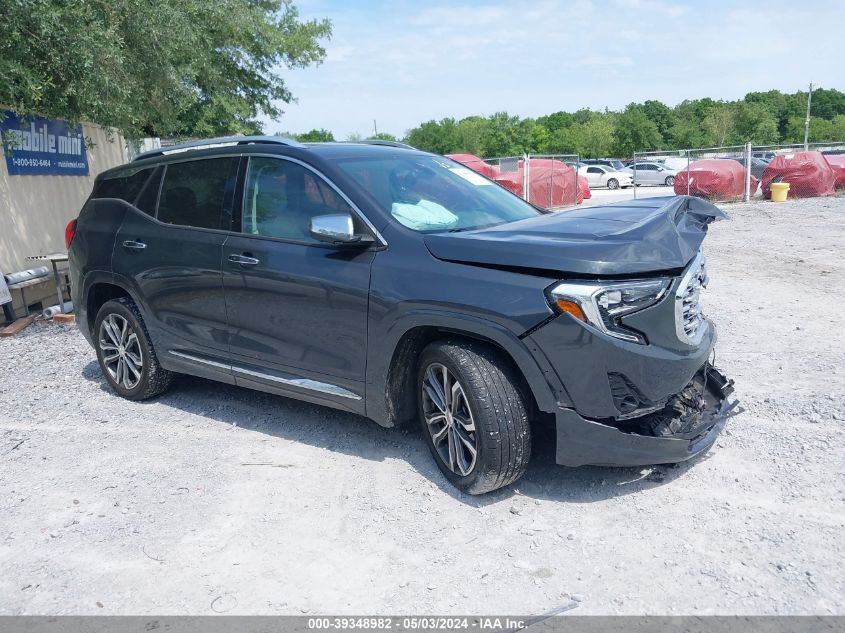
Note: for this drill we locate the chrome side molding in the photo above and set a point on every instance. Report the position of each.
(302, 383)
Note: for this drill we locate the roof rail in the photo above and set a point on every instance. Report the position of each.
(222, 141)
(376, 141)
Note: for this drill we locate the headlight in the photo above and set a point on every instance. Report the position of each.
(602, 305)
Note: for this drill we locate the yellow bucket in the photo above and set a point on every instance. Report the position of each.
(779, 191)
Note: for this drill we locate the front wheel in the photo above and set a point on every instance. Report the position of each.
(612, 183)
(474, 416)
(670, 180)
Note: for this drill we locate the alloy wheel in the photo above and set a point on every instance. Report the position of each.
(449, 420)
(121, 351)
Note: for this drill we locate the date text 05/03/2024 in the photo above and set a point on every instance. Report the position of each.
(423, 623)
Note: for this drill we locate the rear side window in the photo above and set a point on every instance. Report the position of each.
(124, 186)
(195, 193)
(148, 197)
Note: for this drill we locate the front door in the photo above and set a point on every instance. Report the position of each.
(297, 309)
(594, 176)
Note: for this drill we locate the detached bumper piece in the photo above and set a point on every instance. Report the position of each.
(685, 426)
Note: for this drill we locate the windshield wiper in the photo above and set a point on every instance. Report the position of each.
(476, 228)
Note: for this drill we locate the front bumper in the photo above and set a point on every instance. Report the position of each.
(676, 433)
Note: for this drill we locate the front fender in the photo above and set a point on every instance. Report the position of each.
(541, 378)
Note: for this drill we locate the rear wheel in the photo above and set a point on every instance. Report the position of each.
(612, 183)
(474, 416)
(670, 180)
(125, 352)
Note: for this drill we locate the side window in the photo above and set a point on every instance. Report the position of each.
(281, 197)
(594, 170)
(148, 197)
(194, 193)
(125, 186)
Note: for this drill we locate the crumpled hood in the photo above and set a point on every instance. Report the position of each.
(638, 236)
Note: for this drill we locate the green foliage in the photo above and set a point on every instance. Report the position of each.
(761, 118)
(164, 68)
(635, 131)
(383, 136)
(315, 136)
(594, 138)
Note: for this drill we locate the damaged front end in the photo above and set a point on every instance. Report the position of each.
(677, 430)
(690, 414)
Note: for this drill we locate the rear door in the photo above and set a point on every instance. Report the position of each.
(646, 173)
(297, 308)
(172, 261)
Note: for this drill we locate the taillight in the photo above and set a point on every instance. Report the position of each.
(70, 231)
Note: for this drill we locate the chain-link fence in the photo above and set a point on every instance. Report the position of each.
(715, 173)
(742, 172)
(799, 171)
(553, 181)
(548, 181)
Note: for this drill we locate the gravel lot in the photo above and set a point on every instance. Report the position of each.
(218, 499)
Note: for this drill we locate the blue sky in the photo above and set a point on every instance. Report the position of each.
(405, 62)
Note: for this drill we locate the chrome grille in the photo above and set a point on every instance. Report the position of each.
(690, 323)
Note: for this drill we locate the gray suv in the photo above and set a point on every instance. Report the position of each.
(402, 286)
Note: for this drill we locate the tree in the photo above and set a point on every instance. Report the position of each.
(433, 136)
(755, 123)
(720, 124)
(820, 130)
(315, 136)
(634, 132)
(661, 115)
(382, 136)
(164, 68)
(470, 135)
(594, 139)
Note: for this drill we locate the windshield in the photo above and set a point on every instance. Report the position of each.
(617, 165)
(433, 194)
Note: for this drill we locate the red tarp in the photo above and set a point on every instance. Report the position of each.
(837, 164)
(584, 188)
(474, 163)
(808, 174)
(715, 179)
(551, 182)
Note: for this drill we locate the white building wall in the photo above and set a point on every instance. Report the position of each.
(34, 210)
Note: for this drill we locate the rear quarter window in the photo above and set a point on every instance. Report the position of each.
(125, 185)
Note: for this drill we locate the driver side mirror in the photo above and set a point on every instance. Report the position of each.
(337, 229)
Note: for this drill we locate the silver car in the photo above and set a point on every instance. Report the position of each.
(604, 176)
(651, 174)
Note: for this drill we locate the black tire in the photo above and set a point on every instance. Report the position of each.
(612, 183)
(670, 180)
(498, 411)
(152, 380)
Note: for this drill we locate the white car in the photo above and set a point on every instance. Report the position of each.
(651, 174)
(675, 163)
(603, 176)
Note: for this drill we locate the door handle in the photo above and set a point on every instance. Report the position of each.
(243, 260)
(134, 245)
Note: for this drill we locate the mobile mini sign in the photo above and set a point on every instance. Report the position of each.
(38, 147)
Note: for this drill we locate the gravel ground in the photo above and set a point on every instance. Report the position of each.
(219, 499)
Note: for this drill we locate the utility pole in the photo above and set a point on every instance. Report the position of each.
(807, 120)
(375, 127)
